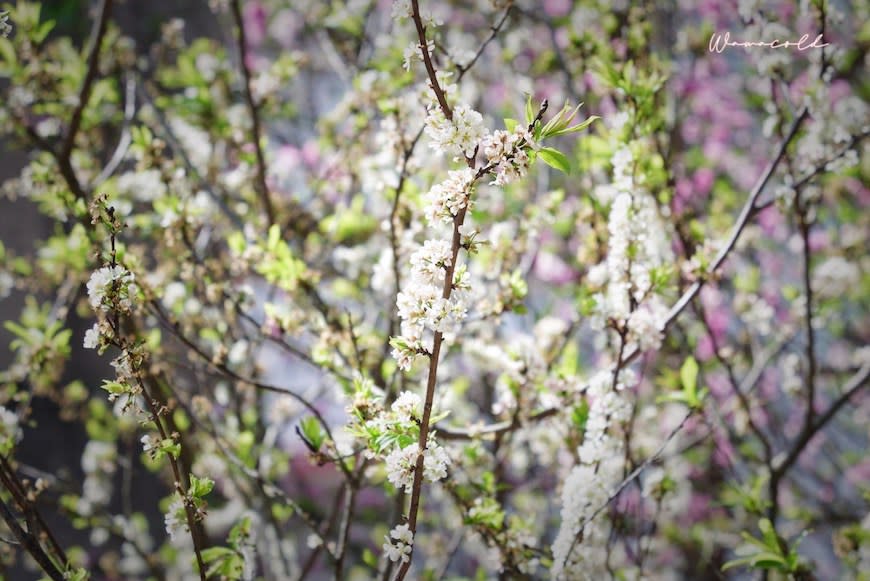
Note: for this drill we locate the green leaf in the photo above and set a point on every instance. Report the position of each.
(689, 374)
(530, 112)
(576, 128)
(579, 416)
(555, 159)
(370, 558)
(200, 487)
(313, 432)
(7, 53)
(510, 124)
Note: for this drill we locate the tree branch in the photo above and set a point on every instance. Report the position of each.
(262, 187)
(99, 32)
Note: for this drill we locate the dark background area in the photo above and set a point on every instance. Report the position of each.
(50, 445)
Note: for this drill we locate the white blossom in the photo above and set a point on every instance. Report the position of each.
(398, 544)
(92, 337)
(110, 279)
(400, 466)
(457, 137)
(835, 277)
(175, 519)
(9, 426)
(445, 200)
(145, 186)
(408, 405)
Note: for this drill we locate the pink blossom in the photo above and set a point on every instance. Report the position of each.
(552, 269)
(254, 18)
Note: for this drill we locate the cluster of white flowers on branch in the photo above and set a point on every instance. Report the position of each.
(637, 256)
(589, 485)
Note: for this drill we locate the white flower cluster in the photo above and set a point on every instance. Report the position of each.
(146, 185)
(195, 141)
(445, 200)
(399, 544)
(175, 519)
(646, 322)
(401, 9)
(7, 283)
(422, 306)
(458, 136)
(99, 462)
(835, 277)
(111, 281)
(9, 426)
(834, 123)
(92, 337)
(401, 463)
(637, 245)
(591, 482)
(403, 420)
(505, 151)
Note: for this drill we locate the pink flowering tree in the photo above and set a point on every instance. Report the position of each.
(498, 289)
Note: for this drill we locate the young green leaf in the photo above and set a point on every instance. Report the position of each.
(555, 159)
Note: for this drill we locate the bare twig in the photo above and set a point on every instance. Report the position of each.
(427, 61)
(492, 34)
(93, 65)
(254, 112)
(852, 387)
(29, 541)
(126, 135)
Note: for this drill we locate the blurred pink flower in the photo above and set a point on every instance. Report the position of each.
(254, 17)
(552, 269)
(557, 7)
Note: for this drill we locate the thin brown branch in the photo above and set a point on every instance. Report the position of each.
(180, 487)
(492, 34)
(222, 368)
(254, 112)
(35, 521)
(93, 66)
(29, 541)
(427, 61)
(852, 387)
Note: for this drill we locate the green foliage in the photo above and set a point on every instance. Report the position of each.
(313, 432)
(279, 266)
(200, 487)
(752, 497)
(229, 562)
(770, 552)
(689, 395)
(555, 159)
(41, 343)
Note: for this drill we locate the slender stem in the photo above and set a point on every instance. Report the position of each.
(427, 61)
(742, 220)
(29, 541)
(13, 484)
(808, 317)
(253, 110)
(852, 387)
(180, 487)
(222, 368)
(84, 95)
(735, 385)
(344, 531)
(417, 485)
(492, 34)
